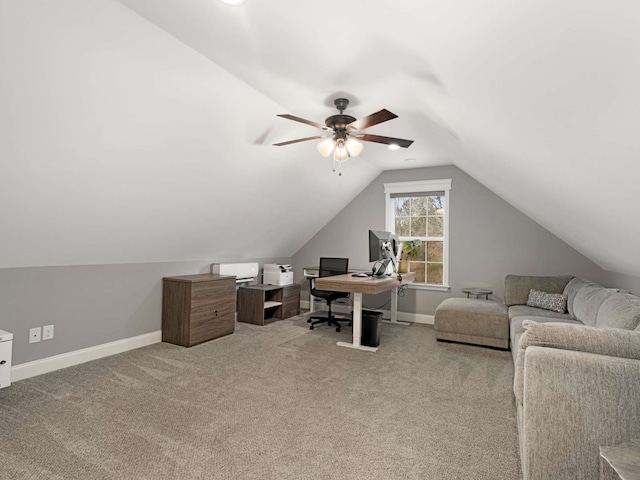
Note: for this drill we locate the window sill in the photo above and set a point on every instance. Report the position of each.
(433, 288)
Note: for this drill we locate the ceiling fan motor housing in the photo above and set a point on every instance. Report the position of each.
(339, 122)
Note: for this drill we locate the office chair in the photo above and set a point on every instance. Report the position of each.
(328, 268)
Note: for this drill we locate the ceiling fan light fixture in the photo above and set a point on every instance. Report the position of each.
(325, 147)
(354, 147)
(341, 153)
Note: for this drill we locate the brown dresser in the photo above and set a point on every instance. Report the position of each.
(197, 308)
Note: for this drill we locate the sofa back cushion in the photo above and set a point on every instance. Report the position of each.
(621, 310)
(588, 300)
(517, 287)
(572, 289)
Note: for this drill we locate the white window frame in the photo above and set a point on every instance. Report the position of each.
(422, 186)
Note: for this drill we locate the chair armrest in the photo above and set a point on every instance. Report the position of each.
(575, 402)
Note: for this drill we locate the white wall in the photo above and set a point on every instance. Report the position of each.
(120, 144)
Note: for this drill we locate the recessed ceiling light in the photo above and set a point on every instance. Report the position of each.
(393, 146)
(233, 3)
(410, 160)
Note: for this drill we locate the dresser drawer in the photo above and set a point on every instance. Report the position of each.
(214, 307)
(205, 291)
(206, 327)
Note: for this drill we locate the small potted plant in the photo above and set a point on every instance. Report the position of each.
(409, 250)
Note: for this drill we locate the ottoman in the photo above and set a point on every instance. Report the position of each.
(470, 320)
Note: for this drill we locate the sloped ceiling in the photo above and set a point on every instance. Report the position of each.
(141, 130)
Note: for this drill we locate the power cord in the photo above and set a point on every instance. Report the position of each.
(402, 289)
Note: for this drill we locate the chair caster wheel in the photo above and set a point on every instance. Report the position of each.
(311, 327)
(308, 320)
(338, 329)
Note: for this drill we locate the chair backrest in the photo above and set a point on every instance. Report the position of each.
(330, 266)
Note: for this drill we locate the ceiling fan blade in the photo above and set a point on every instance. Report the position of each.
(373, 119)
(386, 140)
(302, 120)
(298, 140)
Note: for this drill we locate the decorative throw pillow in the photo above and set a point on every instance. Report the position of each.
(556, 302)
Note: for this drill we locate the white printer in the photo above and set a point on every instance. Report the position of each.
(277, 274)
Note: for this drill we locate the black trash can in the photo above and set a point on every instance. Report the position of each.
(371, 322)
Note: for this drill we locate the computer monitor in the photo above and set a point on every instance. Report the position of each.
(383, 247)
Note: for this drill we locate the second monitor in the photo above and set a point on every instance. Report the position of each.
(384, 247)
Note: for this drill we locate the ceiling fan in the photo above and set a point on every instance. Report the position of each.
(346, 131)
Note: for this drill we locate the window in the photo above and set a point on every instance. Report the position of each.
(420, 210)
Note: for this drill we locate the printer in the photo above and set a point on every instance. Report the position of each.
(277, 274)
(244, 272)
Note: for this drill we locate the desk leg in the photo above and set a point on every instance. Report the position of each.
(394, 309)
(357, 326)
(311, 303)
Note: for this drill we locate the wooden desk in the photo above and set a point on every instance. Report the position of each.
(358, 286)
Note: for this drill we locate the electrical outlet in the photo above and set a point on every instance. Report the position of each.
(34, 334)
(47, 332)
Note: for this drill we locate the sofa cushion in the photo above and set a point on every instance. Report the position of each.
(572, 289)
(588, 300)
(612, 342)
(516, 287)
(556, 302)
(516, 328)
(524, 311)
(621, 310)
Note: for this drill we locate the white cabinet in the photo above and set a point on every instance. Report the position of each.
(6, 345)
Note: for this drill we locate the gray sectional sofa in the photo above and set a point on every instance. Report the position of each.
(577, 374)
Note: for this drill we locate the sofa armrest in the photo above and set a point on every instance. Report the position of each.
(613, 342)
(575, 402)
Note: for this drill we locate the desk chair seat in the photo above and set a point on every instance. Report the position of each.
(329, 266)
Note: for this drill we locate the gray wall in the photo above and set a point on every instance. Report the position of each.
(488, 240)
(619, 280)
(89, 305)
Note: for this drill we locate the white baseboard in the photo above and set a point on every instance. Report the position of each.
(403, 316)
(64, 360)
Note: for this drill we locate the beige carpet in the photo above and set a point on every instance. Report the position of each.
(274, 402)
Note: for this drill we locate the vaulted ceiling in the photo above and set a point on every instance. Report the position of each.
(141, 130)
